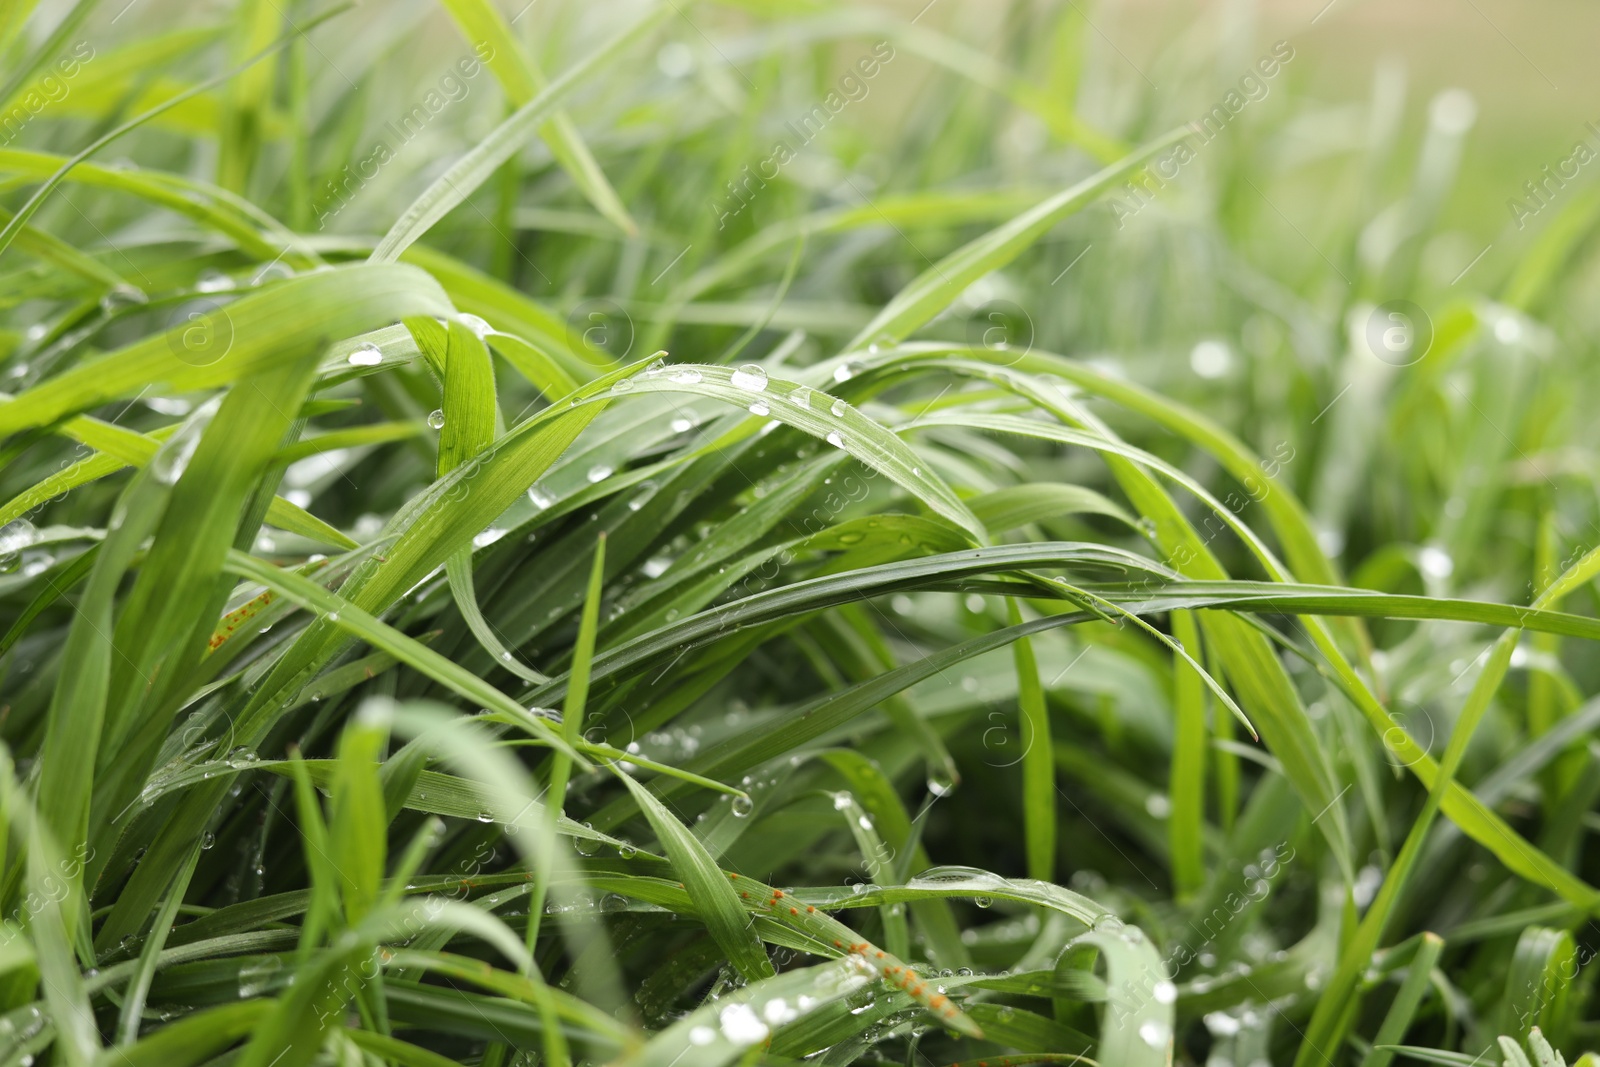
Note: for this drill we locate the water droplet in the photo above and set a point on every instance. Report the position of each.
(367, 355)
(741, 1025)
(1436, 563)
(120, 297)
(600, 472)
(685, 376)
(760, 408)
(835, 440)
(539, 497)
(941, 782)
(751, 377)
(255, 977)
(436, 419)
(1155, 1034)
(213, 281)
(743, 806)
(1107, 923)
(207, 840)
(478, 326)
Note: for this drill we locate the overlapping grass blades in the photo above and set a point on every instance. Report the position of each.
(404, 662)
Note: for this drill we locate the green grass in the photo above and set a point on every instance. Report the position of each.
(501, 564)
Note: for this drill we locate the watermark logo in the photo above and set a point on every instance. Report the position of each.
(1399, 333)
(1001, 325)
(50, 88)
(1543, 189)
(600, 327)
(200, 332)
(1253, 86)
(851, 88)
(453, 87)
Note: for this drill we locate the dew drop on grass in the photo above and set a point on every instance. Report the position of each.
(941, 783)
(213, 281)
(760, 408)
(208, 840)
(600, 472)
(256, 977)
(835, 440)
(436, 419)
(742, 806)
(685, 376)
(1436, 563)
(539, 497)
(367, 355)
(478, 326)
(120, 297)
(750, 377)
(1153, 1033)
(741, 1025)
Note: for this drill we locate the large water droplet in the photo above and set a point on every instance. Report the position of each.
(1155, 1034)
(751, 377)
(436, 419)
(743, 806)
(367, 355)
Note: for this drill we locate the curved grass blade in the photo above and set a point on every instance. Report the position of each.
(473, 169)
